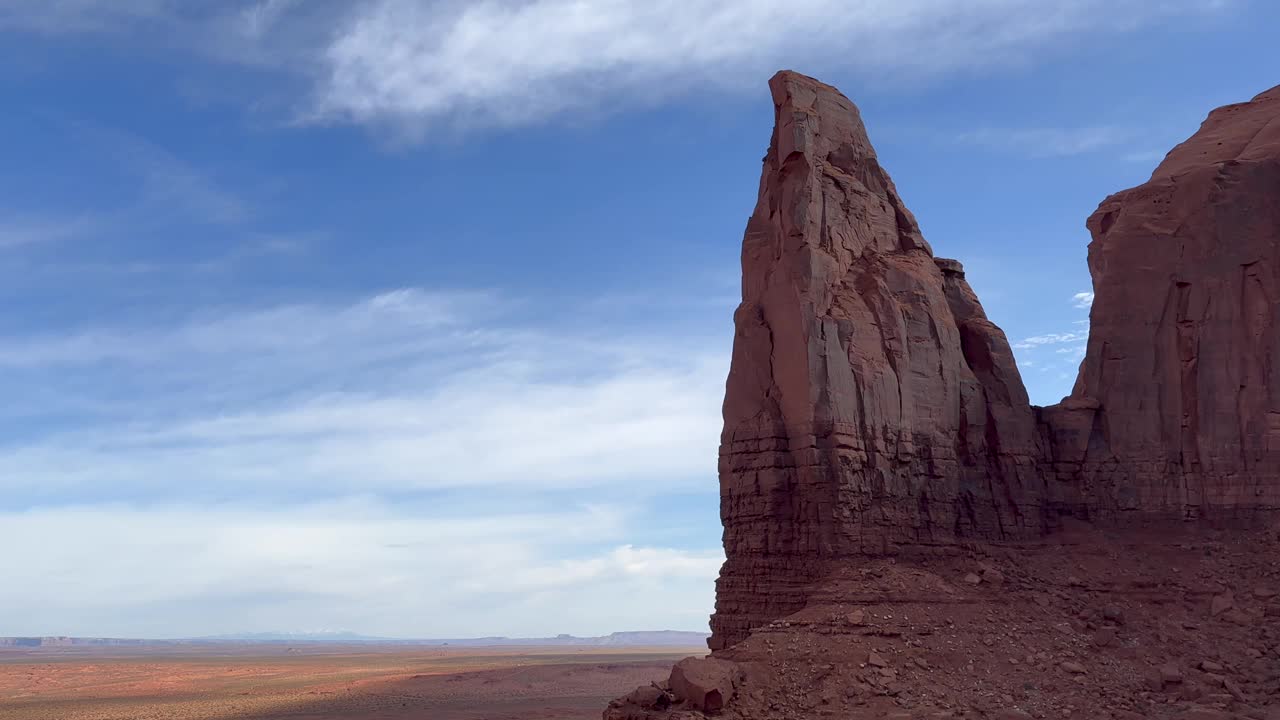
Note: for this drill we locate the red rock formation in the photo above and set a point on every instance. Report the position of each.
(1176, 412)
(870, 403)
(872, 409)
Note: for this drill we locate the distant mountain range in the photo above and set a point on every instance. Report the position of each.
(656, 638)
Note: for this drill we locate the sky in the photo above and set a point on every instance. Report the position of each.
(412, 318)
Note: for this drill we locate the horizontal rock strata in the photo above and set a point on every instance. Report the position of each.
(872, 408)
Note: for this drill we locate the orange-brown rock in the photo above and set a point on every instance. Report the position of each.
(873, 410)
(870, 403)
(1176, 412)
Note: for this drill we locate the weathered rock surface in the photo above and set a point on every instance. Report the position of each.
(887, 638)
(1176, 412)
(873, 410)
(705, 684)
(870, 403)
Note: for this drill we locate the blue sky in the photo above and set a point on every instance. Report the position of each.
(412, 318)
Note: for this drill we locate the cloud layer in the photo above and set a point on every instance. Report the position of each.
(404, 463)
(422, 64)
(404, 390)
(179, 570)
(504, 62)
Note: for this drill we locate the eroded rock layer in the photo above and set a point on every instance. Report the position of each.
(870, 403)
(872, 409)
(1176, 412)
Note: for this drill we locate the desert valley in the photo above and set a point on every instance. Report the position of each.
(227, 681)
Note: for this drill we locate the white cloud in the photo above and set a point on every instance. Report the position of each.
(1068, 348)
(469, 63)
(502, 62)
(1051, 339)
(181, 570)
(402, 391)
(1046, 142)
(406, 463)
(481, 430)
(398, 319)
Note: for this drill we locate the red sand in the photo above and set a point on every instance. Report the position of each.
(237, 683)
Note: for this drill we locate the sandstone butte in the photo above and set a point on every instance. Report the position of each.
(873, 413)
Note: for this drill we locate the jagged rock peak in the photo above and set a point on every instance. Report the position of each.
(870, 404)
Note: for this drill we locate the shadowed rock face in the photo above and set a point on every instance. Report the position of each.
(870, 403)
(872, 408)
(1176, 412)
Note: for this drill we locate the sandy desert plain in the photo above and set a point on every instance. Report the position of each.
(239, 682)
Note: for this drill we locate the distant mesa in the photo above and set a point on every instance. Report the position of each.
(654, 638)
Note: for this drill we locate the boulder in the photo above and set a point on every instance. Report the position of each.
(706, 684)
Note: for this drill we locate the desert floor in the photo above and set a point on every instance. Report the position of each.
(239, 683)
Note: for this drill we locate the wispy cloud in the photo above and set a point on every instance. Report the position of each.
(395, 321)
(160, 193)
(409, 462)
(404, 390)
(167, 183)
(426, 63)
(359, 564)
(1056, 354)
(509, 63)
(260, 17)
(1047, 142)
(1050, 339)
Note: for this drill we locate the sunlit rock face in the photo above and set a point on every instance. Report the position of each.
(1176, 412)
(871, 406)
(873, 409)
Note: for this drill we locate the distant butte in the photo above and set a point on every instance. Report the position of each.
(879, 449)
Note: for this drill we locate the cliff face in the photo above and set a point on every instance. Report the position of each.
(872, 408)
(870, 404)
(1176, 412)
